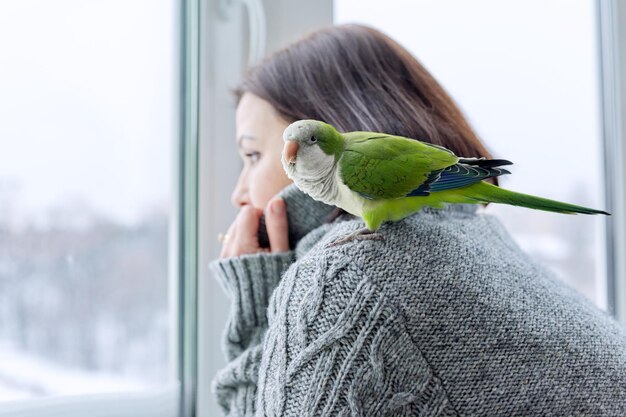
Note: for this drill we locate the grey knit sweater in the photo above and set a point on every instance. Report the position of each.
(446, 316)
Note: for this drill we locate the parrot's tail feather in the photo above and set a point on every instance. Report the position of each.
(485, 163)
(487, 193)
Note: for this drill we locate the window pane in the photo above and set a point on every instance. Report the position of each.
(525, 73)
(88, 109)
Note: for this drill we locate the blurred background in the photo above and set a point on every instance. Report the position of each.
(88, 107)
(113, 115)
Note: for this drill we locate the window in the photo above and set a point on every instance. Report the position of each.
(88, 143)
(526, 75)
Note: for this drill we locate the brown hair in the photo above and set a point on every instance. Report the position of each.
(356, 78)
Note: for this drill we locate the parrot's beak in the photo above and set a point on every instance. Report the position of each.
(290, 151)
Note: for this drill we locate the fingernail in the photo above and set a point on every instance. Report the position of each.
(278, 207)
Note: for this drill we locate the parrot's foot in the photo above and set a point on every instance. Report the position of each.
(360, 234)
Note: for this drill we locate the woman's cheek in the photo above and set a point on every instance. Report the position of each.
(259, 193)
(266, 180)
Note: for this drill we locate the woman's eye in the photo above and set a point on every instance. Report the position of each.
(253, 156)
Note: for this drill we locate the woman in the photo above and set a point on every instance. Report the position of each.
(445, 316)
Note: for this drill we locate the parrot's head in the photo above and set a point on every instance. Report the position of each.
(311, 150)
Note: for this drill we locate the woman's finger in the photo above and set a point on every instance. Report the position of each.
(245, 238)
(228, 243)
(248, 226)
(277, 225)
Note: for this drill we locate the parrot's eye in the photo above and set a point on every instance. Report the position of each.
(313, 139)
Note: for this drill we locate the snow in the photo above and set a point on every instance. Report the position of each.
(24, 376)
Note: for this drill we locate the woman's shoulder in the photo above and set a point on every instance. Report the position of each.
(432, 232)
(437, 258)
(433, 245)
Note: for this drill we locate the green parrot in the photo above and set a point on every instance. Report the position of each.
(380, 177)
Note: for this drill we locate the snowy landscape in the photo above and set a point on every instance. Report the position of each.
(83, 308)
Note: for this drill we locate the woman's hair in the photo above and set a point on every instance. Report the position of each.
(357, 78)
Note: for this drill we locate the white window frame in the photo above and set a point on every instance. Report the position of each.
(185, 301)
(612, 38)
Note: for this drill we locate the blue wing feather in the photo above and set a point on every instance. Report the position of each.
(459, 175)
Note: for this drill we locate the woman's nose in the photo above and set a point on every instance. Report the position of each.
(239, 197)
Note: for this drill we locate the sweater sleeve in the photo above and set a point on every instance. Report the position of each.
(336, 346)
(248, 280)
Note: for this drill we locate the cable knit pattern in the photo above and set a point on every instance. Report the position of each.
(342, 349)
(248, 280)
(445, 316)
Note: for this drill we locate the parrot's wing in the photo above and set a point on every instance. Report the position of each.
(380, 166)
(464, 173)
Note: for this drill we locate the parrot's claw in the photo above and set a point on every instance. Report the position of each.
(360, 234)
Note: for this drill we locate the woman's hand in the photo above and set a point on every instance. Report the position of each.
(243, 233)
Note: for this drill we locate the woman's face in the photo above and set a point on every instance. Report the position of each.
(260, 142)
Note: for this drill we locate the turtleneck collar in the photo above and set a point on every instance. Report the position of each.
(305, 214)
